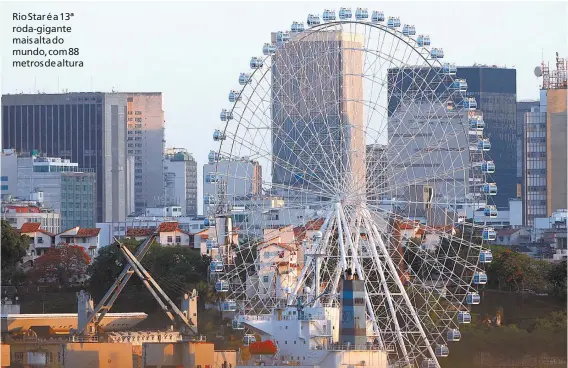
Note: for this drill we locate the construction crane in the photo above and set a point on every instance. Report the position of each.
(90, 324)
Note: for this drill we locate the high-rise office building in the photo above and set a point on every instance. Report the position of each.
(523, 107)
(87, 128)
(377, 163)
(317, 119)
(180, 175)
(545, 168)
(145, 142)
(495, 90)
(239, 177)
(64, 187)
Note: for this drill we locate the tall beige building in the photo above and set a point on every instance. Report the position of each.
(318, 136)
(145, 142)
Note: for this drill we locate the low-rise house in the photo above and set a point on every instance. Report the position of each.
(171, 234)
(88, 238)
(40, 239)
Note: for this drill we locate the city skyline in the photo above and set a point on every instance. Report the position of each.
(192, 99)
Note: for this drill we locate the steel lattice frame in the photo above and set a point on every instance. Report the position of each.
(309, 117)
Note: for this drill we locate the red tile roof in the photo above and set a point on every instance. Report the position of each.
(88, 232)
(30, 227)
(168, 226)
(314, 224)
(46, 232)
(289, 247)
(135, 232)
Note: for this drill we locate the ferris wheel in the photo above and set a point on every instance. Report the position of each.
(348, 145)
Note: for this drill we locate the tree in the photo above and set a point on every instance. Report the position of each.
(62, 265)
(557, 279)
(14, 249)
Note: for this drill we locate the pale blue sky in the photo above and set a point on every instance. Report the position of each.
(194, 52)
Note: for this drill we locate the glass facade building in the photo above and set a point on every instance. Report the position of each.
(87, 128)
(78, 200)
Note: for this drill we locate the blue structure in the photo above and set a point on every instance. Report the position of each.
(472, 298)
(222, 286)
(476, 123)
(489, 189)
(213, 157)
(353, 328)
(422, 40)
(393, 22)
(216, 267)
(234, 95)
(495, 91)
(209, 221)
(488, 167)
(218, 135)
(282, 36)
(437, 53)
(449, 69)
(248, 339)
(489, 234)
(229, 306)
(313, 20)
(244, 78)
(453, 335)
(268, 49)
(490, 211)
(256, 62)
(225, 115)
(237, 325)
(211, 244)
(442, 351)
(361, 13)
(328, 15)
(484, 145)
(210, 178)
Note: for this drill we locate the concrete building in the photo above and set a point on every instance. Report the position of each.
(180, 175)
(64, 187)
(545, 170)
(306, 118)
(523, 107)
(377, 163)
(17, 213)
(145, 142)
(84, 127)
(241, 177)
(40, 239)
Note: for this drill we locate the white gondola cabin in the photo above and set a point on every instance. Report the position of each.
(453, 335)
(459, 85)
(428, 363)
(209, 199)
(489, 189)
(469, 103)
(406, 29)
(490, 211)
(377, 16)
(297, 27)
(209, 221)
(328, 15)
(234, 96)
(480, 278)
(393, 22)
(248, 339)
(229, 306)
(282, 36)
(237, 325)
(213, 157)
(476, 123)
(472, 298)
(412, 30)
(361, 14)
(225, 115)
(489, 234)
(222, 286)
(313, 20)
(449, 69)
(269, 49)
(464, 317)
(345, 13)
(218, 135)
(210, 244)
(488, 167)
(244, 78)
(486, 256)
(437, 53)
(442, 351)
(484, 145)
(423, 40)
(256, 62)
(211, 178)
(216, 267)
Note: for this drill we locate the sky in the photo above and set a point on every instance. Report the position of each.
(193, 52)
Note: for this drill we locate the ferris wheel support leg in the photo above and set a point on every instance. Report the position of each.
(322, 244)
(343, 258)
(381, 245)
(374, 243)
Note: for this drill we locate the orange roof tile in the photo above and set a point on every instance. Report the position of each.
(30, 227)
(88, 232)
(168, 226)
(46, 232)
(280, 245)
(314, 224)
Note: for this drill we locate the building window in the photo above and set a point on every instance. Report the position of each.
(138, 113)
(169, 239)
(178, 239)
(264, 279)
(40, 240)
(4, 178)
(4, 187)
(19, 357)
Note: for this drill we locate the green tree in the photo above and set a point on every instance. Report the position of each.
(14, 248)
(557, 279)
